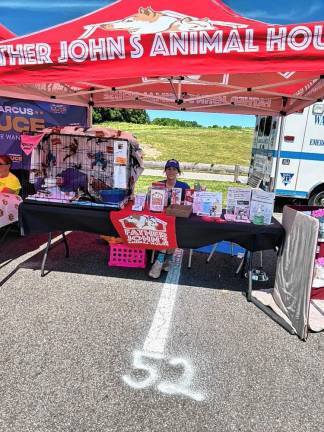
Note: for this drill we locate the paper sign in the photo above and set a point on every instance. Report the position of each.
(262, 203)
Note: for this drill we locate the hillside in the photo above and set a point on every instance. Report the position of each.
(205, 145)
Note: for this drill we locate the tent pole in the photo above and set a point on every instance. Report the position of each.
(282, 127)
(90, 112)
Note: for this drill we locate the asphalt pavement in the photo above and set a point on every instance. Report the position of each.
(98, 349)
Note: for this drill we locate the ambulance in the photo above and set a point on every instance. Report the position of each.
(288, 155)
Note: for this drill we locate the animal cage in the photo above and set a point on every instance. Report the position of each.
(87, 168)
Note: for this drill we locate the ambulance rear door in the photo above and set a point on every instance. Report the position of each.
(288, 154)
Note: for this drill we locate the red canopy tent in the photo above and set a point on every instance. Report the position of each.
(194, 56)
(5, 33)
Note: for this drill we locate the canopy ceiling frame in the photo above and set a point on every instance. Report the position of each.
(92, 89)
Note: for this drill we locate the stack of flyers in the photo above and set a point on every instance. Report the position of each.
(157, 199)
(139, 202)
(176, 195)
(189, 196)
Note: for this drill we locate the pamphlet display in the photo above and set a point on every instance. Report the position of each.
(157, 199)
(261, 208)
(139, 202)
(189, 193)
(208, 203)
(176, 194)
(238, 204)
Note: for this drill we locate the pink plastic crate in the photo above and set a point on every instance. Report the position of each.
(122, 255)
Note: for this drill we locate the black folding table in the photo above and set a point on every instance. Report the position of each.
(191, 233)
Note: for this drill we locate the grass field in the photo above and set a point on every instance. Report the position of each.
(212, 186)
(205, 145)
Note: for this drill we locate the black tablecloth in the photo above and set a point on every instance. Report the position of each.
(191, 233)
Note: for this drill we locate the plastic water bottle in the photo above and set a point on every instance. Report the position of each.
(258, 217)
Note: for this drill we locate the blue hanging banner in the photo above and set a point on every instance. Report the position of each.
(18, 116)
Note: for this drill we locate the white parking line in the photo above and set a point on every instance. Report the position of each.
(158, 333)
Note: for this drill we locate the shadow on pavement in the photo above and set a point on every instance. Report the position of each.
(89, 256)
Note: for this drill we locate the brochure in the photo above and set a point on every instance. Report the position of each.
(189, 193)
(261, 208)
(238, 203)
(139, 202)
(157, 199)
(208, 203)
(176, 194)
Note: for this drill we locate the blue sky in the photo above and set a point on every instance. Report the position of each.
(26, 16)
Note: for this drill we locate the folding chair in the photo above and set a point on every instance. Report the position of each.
(221, 246)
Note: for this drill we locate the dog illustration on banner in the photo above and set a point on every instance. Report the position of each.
(147, 21)
(143, 222)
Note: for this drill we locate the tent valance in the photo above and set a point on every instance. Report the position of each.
(195, 56)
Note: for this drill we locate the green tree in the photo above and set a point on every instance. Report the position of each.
(120, 115)
(164, 121)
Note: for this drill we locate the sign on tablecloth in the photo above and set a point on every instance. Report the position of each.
(145, 229)
(9, 204)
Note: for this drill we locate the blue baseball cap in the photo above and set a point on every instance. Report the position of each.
(172, 163)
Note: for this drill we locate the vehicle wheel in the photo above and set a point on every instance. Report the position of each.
(317, 199)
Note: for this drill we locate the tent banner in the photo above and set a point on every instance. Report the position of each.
(145, 229)
(19, 116)
(159, 40)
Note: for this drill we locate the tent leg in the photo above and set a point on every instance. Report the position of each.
(250, 286)
(190, 258)
(267, 310)
(67, 252)
(46, 253)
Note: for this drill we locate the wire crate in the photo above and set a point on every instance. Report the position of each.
(121, 255)
(80, 168)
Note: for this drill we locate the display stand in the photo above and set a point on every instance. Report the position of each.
(289, 302)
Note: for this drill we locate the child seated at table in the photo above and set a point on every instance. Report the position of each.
(9, 183)
(172, 171)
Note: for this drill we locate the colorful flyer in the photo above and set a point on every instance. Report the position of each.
(176, 194)
(239, 199)
(157, 199)
(208, 203)
(139, 202)
(189, 194)
(261, 208)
